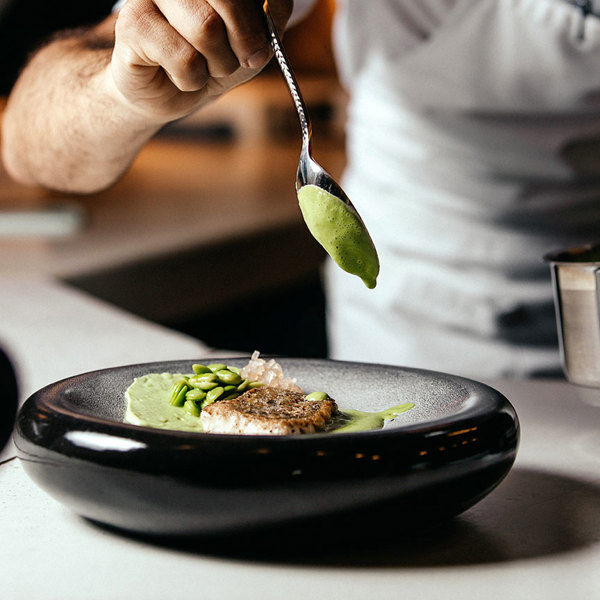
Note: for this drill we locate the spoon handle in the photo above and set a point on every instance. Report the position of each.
(289, 77)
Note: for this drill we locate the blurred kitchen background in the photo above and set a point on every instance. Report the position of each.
(203, 234)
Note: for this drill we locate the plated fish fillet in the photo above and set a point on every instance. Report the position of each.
(268, 410)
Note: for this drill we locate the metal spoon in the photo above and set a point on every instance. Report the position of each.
(309, 171)
(341, 231)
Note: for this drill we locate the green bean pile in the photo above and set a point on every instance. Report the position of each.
(208, 384)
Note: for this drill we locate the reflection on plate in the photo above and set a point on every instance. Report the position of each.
(429, 463)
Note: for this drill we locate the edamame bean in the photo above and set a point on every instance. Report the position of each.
(178, 392)
(205, 403)
(214, 394)
(195, 395)
(317, 396)
(210, 383)
(202, 377)
(192, 408)
(206, 381)
(228, 377)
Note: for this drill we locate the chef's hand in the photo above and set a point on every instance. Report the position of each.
(87, 102)
(172, 56)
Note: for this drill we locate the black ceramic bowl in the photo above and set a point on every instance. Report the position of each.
(9, 398)
(430, 463)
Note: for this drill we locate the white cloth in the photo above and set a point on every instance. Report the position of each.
(473, 149)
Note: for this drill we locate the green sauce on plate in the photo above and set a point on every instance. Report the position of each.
(358, 420)
(148, 404)
(339, 229)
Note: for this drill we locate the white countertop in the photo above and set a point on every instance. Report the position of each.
(52, 331)
(537, 536)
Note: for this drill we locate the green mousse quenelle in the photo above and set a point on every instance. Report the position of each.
(340, 230)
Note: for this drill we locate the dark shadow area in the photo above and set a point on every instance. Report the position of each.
(27, 24)
(286, 322)
(259, 291)
(531, 514)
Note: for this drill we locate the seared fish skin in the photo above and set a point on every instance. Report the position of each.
(268, 411)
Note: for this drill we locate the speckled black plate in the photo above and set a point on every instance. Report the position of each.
(430, 463)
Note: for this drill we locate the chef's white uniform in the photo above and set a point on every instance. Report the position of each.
(473, 149)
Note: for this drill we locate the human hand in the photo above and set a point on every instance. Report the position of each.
(172, 56)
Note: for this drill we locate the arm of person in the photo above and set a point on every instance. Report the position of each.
(87, 102)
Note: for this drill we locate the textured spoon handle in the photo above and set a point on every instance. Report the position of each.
(289, 76)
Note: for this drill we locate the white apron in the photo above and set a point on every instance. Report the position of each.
(473, 149)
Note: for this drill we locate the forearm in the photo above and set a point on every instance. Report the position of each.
(86, 104)
(79, 143)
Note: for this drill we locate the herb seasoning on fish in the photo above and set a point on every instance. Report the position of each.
(268, 410)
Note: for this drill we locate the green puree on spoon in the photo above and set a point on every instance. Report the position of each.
(340, 230)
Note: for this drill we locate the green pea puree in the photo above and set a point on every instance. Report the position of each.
(340, 230)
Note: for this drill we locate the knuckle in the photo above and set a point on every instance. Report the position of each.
(134, 21)
(210, 26)
(185, 55)
(190, 72)
(186, 59)
(131, 15)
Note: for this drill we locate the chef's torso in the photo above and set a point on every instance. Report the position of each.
(473, 149)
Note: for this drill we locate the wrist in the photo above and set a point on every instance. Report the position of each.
(134, 114)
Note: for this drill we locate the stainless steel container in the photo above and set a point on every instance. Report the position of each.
(576, 285)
